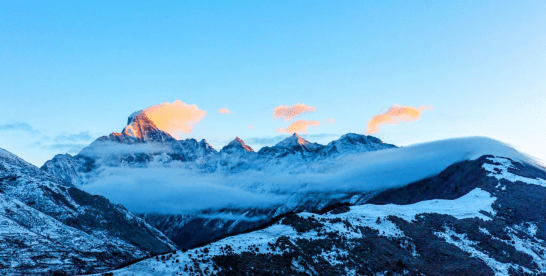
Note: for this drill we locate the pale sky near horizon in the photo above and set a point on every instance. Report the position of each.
(73, 71)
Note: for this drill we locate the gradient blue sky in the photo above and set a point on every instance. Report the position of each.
(71, 71)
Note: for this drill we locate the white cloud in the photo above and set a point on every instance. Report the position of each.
(176, 118)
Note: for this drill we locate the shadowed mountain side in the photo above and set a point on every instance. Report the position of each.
(49, 226)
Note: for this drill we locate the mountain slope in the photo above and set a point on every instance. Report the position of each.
(49, 225)
(479, 217)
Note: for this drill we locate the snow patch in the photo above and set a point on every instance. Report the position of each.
(500, 171)
(462, 242)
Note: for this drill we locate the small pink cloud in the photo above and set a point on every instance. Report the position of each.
(251, 126)
(289, 112)
(395, 115)
(224, 110)
(299, 126)
(330, 120)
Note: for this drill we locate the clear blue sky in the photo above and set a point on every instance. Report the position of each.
(75, 70)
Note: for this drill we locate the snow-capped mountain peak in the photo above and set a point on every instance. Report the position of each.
(293, 140)
(296, 142)
(352, 142)
(204, 142)
(141, 127)
(237, 144)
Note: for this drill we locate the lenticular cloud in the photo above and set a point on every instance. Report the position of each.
(175, 118)
(395, 115)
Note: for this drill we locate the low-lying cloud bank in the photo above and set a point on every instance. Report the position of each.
(100, 149)
(174, 190)
(178, 190)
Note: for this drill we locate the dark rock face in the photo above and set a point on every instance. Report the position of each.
(191, 231)
(517, 202)
(55, 227)
(101, 214)
(453, 182)
(199, 231)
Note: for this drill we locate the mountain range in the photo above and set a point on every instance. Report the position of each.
(141, 143)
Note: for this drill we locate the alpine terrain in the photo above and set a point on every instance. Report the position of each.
(356, 206)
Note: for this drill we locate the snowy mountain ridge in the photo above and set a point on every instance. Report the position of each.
(489, 230)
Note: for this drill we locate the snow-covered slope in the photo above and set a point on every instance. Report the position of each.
(47, 225)
(480, 217)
